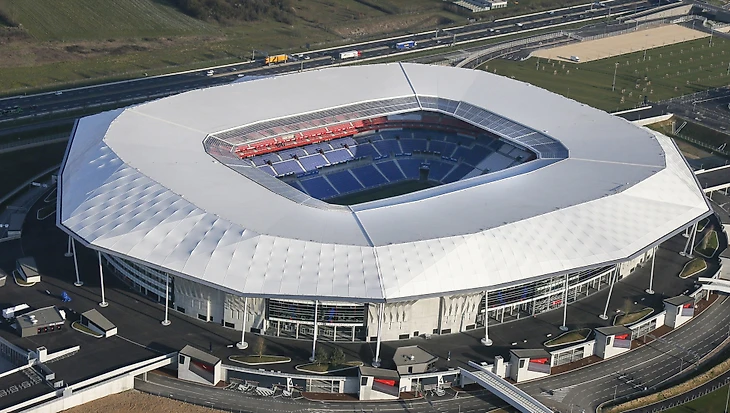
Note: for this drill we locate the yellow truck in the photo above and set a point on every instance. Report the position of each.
(279, 58)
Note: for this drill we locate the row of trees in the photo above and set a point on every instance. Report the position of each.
(236, 10)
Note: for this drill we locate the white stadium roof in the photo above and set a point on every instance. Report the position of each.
(138, 183)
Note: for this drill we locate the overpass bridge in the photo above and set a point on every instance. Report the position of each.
(505, 390)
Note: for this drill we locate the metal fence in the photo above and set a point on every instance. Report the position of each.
(481, 56)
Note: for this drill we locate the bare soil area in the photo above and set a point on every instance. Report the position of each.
(133, 401)
(625, 43)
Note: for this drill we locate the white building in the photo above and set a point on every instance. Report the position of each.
(194, 192)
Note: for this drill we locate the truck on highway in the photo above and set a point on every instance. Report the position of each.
(279, 58)
(410, 44)
(350, 54)
(210, 73)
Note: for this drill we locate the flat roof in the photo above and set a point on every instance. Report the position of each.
(613, 330)
(28, 265)
(99, 320)
(200, 355)
(137, 183)
(530, 352)
(44, 316)
(378, 372)
(408, 355)
(679, 300)
(18, 387)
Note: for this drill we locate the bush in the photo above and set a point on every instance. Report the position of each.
(236, 10)
(321, 356)
(337, 357)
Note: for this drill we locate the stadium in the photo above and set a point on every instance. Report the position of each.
(371, 203)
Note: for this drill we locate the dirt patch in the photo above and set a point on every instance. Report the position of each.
(625, 43)
(133, 401)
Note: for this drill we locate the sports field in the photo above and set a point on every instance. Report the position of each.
(658, 74)
(626, 43)
(383, 192)
(713, 402)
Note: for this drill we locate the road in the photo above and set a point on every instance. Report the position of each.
(645, 367)
(126, 92)
(216, 397)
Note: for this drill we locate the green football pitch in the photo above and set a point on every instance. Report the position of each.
(383, 192)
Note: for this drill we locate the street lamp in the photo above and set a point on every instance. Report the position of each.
(615, 69)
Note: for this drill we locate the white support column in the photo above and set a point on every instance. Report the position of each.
(166, 321)
(68, 253)
(486, 341)
(314, 341)
(78, 282)
(694, 236)
(651, 274)
(376, 360)
(243, 344)
(612, 280)
(103, 302)
(565, 305)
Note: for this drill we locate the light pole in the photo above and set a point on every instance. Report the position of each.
(486, 341)
(565, 305)
(649, 290)
(78, 282)
(615, 69)
(611, 280)
(166, 321)
(727, 399)
(68, 253)
(243, 344)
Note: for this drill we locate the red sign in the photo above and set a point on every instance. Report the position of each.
(539, 361)
(622, 336)
(688, 305)
(385, 381)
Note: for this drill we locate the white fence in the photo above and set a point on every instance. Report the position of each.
(508, 45)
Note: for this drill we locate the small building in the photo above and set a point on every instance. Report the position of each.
(496, 4)
(41, 321)
(198, 366)
(3, 278)
(680, 309)
(15, 225)
(612, 341)
(413, 359)
(28, 270)
(528, 364)
(378, 384)
(96, 322)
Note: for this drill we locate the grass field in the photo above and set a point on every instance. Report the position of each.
(711, 403)
(387, 191)
(632, 317)
(573, 336)
(666, 72)
(88, 41)
(693, 267)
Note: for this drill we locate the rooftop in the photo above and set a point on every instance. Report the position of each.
(41, 317)
(138, 183)
(201, 355)
(613, 330)
(679, 300)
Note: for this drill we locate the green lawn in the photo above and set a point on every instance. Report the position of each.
(264, 359)
(709, 244)
(711, 403)
(668, 71)
(693, 267)
(568, 337)
(65, 20)
(632, 317)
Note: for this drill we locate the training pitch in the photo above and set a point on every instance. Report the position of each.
(625, 43)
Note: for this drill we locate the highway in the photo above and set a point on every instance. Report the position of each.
(130, 92)
(642, 368)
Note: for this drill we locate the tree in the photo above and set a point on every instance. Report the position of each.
(259, 347)
(321, 356)
(337, 357)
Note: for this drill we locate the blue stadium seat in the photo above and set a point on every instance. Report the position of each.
(472, 156)
(438, 170)
(344, 182)
(411, 167)
(364, 149)
(338, 155)
(315, 147)
(318, 187)
(391, 171)
(369, 176)
(413, 145)
(269, 170)
(388, 146)
(457, 173)
(289, 153)
(311, 163)
(286, 167)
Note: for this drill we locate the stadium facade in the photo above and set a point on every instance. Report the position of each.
(282, 201)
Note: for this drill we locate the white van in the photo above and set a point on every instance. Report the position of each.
(575, 59)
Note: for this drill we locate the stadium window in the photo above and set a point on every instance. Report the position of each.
(404, 337)
(180, 309)
(446, 331)
(608, 340)
(435, 330)
(229, 325)
(203, 317)
(522, 363)
(416, 334)
(181, 359)
(364, 381)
